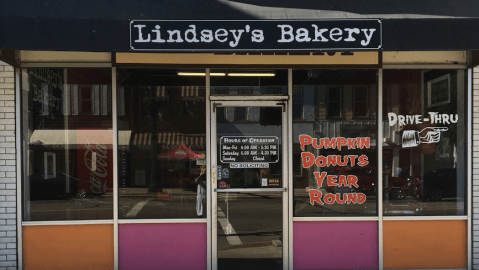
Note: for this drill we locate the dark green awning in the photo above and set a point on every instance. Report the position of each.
(104, 25)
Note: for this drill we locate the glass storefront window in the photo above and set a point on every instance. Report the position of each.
(68, 140)
(424, 147)
(67, 144)
(334, 142)
(162, 143)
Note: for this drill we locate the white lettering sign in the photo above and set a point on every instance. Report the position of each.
(255, 35)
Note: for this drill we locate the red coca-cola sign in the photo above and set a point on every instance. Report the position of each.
(95, 166)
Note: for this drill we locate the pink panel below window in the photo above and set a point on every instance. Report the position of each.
(335, 245)
(162, 246)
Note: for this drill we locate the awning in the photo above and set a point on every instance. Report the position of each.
(169, 138)
(78, 137)
(104, 26)
(179, 152)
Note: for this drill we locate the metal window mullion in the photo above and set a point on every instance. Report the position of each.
(379, 145)
(68, 222)
(285, 192)
(248, 98)
(249, 190)
(162, 221)
(338, 218)
(212, 166)
(289, 240)
(19, 167)
(424, 66)
(115, 168)
(209, 188)
(66, 65)
(410, 218)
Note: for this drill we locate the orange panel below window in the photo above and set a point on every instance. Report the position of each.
(68, 247)
(425, 244)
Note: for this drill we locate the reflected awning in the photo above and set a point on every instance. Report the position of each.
(169, 138)
(192, 91)
(180, 152)
(76, 137)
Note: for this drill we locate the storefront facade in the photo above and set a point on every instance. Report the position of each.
(267, 144)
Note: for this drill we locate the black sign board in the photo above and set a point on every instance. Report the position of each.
(316, 35)
(249, 149)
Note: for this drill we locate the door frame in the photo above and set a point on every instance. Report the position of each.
(252, 101)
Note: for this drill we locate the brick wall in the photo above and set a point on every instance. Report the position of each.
(8, 204)
(475, 169)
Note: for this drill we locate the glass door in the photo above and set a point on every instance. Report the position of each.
(250, 220)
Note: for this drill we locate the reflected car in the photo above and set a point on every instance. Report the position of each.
(397, 187)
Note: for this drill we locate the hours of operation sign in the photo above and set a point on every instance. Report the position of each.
(249, 151)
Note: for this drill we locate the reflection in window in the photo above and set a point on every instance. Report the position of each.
(361, 101)
(334, 101)
(68, 154)
(274, 90)
(162, 165)
(221, 112)
(297, 102)
(386, 101)
(297, 165)
(241, 113)
(424, 149)
(335, 160)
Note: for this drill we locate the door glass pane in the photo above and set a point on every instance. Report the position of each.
(249, 225)
(250, 230)
(249, 150)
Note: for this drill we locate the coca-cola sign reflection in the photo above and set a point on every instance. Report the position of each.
(95, 168)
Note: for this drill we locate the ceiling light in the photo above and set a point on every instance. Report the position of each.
(199, 74)
(251, 74)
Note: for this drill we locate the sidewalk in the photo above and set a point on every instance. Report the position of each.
(252, 251)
